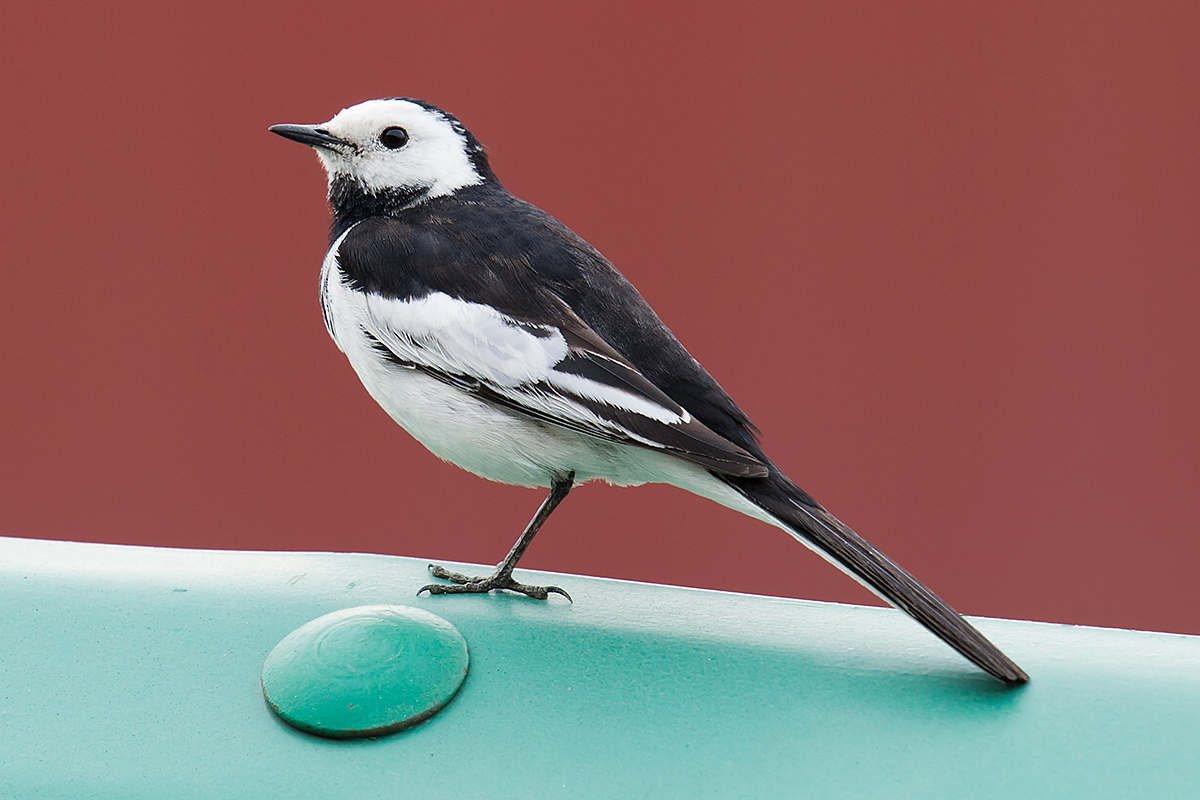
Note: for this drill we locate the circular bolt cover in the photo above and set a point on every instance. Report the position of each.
(365, 671)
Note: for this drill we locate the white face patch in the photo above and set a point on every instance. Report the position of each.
(435, 156)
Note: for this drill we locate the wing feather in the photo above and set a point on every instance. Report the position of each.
(560, 373)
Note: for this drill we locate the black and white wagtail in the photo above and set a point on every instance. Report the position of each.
(509, 346)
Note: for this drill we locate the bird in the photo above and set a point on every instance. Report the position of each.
(509, 346)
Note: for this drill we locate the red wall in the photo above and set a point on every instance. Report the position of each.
(946, 258)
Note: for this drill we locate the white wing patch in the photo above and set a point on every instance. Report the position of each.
(466, 339)
(613, 396)
(516, 359)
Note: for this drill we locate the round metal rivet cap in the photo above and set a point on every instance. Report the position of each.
(365, 671)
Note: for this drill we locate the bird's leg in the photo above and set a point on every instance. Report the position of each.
(502, 578)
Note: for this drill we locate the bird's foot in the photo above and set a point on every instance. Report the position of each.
(464, 584)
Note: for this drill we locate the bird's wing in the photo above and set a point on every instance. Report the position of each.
(559, 371)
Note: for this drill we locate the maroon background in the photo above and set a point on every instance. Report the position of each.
(945, 257)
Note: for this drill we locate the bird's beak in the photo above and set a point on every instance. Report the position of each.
(311, 135)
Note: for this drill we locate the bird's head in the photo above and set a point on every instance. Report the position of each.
(396, 144)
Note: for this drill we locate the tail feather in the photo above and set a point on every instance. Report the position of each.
(783, 500)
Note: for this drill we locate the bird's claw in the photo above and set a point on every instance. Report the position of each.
(464, 584)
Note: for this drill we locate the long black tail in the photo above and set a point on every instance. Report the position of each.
(785, 501)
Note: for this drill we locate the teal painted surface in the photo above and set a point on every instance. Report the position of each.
(134, 673)
(367, 670)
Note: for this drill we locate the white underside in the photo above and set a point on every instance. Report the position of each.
(494, 442)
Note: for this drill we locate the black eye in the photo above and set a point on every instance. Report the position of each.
(394, 138)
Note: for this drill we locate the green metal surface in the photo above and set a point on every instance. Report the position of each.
(365, 671)
(134, 673)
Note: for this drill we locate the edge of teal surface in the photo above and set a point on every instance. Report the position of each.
(131, 672)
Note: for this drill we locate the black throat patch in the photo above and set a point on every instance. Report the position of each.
(351, 203)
